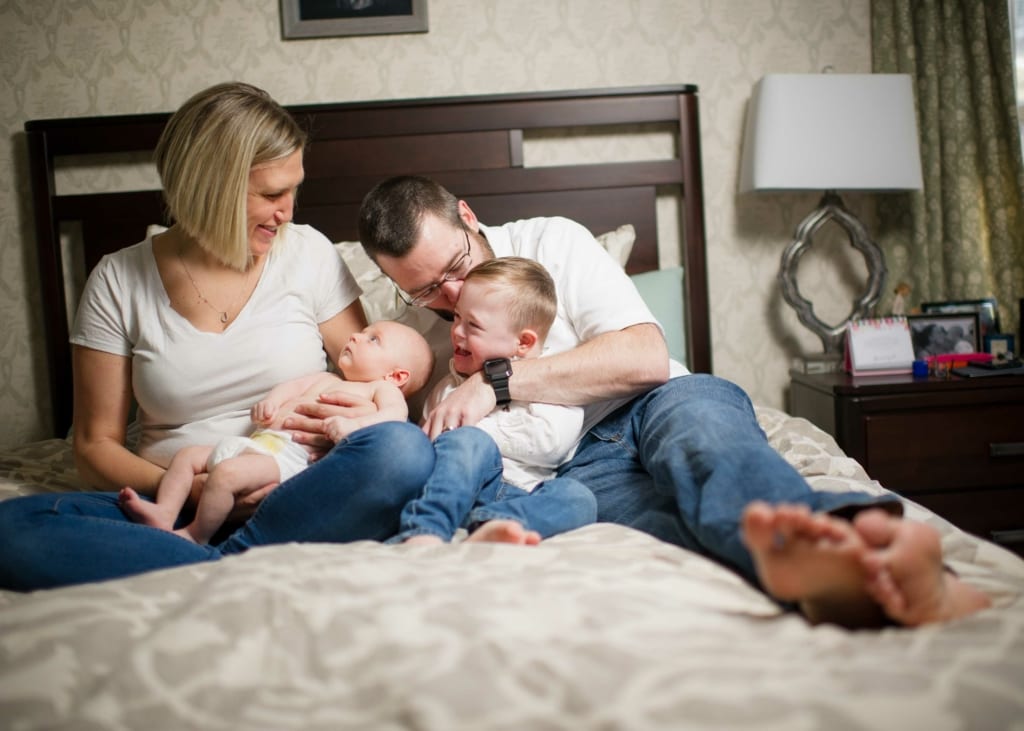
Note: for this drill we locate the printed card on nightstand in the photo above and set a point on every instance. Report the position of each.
(879, 346)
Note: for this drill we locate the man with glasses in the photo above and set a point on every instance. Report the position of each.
(457, 272)
(676, 455)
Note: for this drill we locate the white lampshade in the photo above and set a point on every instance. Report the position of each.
(831, 132)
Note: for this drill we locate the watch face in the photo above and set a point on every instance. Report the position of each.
(498, 368)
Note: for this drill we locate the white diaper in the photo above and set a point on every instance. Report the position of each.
(291, 458)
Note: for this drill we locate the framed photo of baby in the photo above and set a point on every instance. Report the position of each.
(942, 334)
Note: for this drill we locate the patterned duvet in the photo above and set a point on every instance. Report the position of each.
(602, 628)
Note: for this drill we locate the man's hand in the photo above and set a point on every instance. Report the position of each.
(465, 406)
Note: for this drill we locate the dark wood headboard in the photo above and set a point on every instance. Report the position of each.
(472, 145)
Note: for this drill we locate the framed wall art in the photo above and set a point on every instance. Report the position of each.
(327, 18)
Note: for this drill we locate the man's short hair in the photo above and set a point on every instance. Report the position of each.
(392, 212)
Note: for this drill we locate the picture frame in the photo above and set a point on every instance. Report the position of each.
(1000, 346)
(944, 333)
(301, 19)
(986, 307)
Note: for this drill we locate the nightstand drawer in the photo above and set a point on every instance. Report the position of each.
(954, 445)
(945, 449)
(997, 515)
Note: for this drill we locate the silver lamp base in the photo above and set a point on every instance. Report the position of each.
(831, 208)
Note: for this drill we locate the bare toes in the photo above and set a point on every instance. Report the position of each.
(877, 527)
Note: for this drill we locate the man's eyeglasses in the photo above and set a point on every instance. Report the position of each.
(458, 270)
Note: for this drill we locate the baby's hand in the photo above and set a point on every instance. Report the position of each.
(263, 412)
(337, 428)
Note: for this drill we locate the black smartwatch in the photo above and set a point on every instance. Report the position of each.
(497, 372)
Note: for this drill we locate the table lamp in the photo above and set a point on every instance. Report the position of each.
(830, 132)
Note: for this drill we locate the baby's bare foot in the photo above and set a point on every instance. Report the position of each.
(811, 558)
(504, 531)
(143, 511)
(906, 575)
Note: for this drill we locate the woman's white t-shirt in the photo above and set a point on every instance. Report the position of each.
(196, 387)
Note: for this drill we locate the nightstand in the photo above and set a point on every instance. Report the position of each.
(953, 445)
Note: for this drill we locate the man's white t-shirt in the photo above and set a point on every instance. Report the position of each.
(195, 387)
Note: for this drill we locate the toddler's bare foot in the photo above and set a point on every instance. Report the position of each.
(811, 558)
(143, 511)
(906, 575)
(504, 531)
(423, 540)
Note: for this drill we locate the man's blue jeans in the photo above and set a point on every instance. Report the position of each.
(684, 460)
(356, 492)
(466, 488)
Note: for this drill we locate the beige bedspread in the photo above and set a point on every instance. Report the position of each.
(602, 628)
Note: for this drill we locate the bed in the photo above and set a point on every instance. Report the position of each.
(600, 628)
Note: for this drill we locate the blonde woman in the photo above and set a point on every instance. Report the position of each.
(196, 324)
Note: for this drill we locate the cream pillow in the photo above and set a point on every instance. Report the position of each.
(619, 243)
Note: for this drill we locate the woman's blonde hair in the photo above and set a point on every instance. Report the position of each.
(204, 157)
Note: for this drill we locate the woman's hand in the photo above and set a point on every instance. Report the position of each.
(247, 502)
(306, 424)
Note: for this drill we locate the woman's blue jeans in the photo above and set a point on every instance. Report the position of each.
(684, 460)
(355, 492)
(466, 488)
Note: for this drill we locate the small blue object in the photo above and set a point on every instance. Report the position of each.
(920, 368)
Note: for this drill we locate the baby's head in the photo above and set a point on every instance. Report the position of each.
(388, 351)
(506, 307)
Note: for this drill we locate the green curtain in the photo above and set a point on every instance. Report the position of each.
(962, 237)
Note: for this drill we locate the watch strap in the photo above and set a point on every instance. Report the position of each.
(501, 394)
(497, 371)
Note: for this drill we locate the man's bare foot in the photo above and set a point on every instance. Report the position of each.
(813, 559)
(143, 511)
(423, 540)
(504, 531)
(906, 575)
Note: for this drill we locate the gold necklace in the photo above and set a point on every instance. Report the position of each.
(202, 298)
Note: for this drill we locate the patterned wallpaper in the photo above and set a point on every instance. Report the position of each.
(62, 59)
